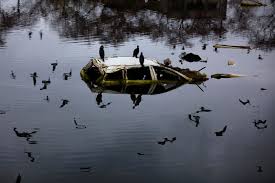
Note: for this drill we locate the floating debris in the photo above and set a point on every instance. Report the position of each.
(231, 62)
(191, 57)
(230, 46)
(263, 89)
(219, 76)
(12, 75)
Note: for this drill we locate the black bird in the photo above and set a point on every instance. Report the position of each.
(204, 46)
(99, 98)
(64, 102)
(220, 133)
(34, 76)
(135, 52)
(202, 109)
(46, 81)
(47, 98)
(13, 76)
(245, 102)
(260, 169)
(79, 126)
(182, 48)
(30, 34)
(180, 61)
(162, 142)
(105, 105)
(260, 57)
(18, 179)
(196, 119)
(263, 89)
(173, 139)
(23, 134)
(141, 59)
(141, 154)
(216, 50)
(30, 156)
(67, 75)
(44, 87)
(101, 52)
(190, 57)
(54, 65)
(41, 34)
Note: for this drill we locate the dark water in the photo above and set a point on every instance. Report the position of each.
(105, 148)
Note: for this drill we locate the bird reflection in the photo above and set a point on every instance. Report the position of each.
(34, 76)
(18, 179)
(54, 65)
(64, 102)
(12, 75)
(99, 98)
(30, 156)
(47, 98)
(245, 102)
(44, 86)
(105, 105)
(77, 126)
(46, 81)
(220, 133)
(133, 97)
(137, 101)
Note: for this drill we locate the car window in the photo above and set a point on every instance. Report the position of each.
(140, 73)
(165, 74)
(114, 75)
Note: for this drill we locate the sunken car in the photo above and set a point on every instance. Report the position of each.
(126, 75)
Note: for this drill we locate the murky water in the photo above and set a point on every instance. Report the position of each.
(102, 145)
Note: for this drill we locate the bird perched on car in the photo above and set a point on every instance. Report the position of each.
(135, 52)
(101, 52)
(141, 59)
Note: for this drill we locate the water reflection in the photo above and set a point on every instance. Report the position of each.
(177, 21)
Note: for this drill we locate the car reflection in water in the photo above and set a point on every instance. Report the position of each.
(124, 75)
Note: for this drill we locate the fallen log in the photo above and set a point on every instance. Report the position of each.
(231, 46)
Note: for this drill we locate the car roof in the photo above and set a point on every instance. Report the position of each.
(128, 61)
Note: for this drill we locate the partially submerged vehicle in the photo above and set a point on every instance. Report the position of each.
(126, 75)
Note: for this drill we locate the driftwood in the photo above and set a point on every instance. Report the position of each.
(251, 3)
(231, 46)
